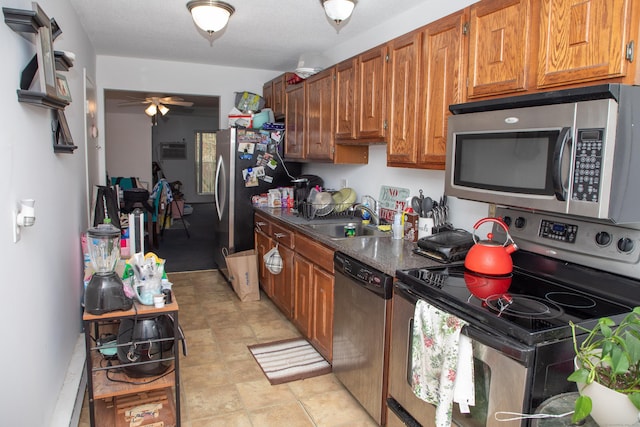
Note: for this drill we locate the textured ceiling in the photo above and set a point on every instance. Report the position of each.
(263, 34)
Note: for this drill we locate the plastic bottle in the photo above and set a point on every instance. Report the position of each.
(366, 216)
(397, 228)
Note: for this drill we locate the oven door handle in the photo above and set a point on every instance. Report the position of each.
(515, 350)
(560, 182)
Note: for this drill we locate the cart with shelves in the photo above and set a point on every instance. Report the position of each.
(113, 393)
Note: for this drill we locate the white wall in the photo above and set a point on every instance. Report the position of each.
(41, 284)
(128, 152)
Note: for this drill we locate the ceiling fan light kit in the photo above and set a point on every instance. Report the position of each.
(210, 16)
(338, 10)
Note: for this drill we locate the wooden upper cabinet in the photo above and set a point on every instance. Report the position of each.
(582, 40)
(346, 87)
(294, 122)
(267, 94)
(499, 47)
(360, 98)
(273, 93)
(320, 104)
(402, 98)
(370, 97)
(442, 83)
(278, 105)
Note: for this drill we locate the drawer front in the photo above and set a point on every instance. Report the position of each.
(282, 235)
(319, 254)
(263, 224)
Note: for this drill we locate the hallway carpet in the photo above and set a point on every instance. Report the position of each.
(193, 252)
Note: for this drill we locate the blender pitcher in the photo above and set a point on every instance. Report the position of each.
(105, 291)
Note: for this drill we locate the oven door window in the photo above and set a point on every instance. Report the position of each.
(514, 162)
(477, 416)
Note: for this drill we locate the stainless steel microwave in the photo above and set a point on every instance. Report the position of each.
(574, 152)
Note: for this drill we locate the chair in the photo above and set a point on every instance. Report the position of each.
(162, 197)
(135, 195)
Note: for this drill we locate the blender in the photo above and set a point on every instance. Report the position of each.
(105, 291)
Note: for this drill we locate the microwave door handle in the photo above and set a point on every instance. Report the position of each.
(559, 187)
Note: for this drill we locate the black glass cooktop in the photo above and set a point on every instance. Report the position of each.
(528, 306)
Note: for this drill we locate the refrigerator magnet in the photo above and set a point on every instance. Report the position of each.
(250, 178)
(246, 147)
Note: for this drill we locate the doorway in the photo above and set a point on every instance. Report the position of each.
(135, 140)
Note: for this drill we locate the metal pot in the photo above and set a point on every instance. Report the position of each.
(488, 256)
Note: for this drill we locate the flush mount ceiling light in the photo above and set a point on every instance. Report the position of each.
(338, 10)
(210, 16)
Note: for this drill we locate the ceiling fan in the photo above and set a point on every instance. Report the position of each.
(158, 104)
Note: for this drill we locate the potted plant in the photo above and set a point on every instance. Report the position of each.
(608, 361)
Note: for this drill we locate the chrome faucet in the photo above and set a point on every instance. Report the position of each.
(375, 219)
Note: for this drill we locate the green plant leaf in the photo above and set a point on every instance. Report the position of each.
(635, 399)
(619, 361)
(582, 409)
(633, 347)
(580, 376)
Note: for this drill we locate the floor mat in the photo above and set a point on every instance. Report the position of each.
(289, 360)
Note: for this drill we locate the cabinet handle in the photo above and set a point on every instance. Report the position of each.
(259, 224)
(279, 235)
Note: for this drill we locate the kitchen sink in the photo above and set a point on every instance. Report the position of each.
(336, 231)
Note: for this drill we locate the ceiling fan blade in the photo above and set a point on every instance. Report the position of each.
(123, 104)
(181, 103)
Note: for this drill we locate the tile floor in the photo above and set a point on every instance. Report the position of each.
(221, 383)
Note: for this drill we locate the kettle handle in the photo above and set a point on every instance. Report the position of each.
(497, 221)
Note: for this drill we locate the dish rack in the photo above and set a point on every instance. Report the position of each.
(309, 211)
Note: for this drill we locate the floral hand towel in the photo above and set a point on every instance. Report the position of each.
(435, 356)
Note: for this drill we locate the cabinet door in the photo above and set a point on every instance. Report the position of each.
(371, 94)
(267, 94)
(319, 127)
(263, 245)
(323, 312)
(499, 47)
(283, 282)
(402, 96)
(582, 40)
(294, 122)
(442, 82)
(303, 295)
(346, 84)
(278, 96)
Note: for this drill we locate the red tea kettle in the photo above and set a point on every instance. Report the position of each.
(488, 256)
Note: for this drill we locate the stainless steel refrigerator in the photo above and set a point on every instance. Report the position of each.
(249, 162)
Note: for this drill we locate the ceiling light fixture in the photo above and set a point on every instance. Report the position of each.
(338, 10)
(163, 109)
(151, 110)
(210, 16)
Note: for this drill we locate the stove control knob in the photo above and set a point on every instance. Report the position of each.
(520, 222)
(603, 238)
(625, 244)
(507, 220)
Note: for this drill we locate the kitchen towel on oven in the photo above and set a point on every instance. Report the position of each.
(441, 361)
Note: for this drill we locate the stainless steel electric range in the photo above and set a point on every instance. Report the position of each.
(567, 269)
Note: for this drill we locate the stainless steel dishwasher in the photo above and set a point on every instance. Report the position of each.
(360, 339)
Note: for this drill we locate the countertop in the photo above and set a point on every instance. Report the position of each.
(382, 253)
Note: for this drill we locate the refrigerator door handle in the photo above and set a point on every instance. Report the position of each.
(220, 196)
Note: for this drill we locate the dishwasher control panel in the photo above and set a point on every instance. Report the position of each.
(364, 275)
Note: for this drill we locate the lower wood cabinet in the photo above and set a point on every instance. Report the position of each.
(303, 290)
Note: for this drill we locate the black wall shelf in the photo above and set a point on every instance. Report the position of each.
(27, 22)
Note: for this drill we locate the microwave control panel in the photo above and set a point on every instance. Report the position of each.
(587, 165)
